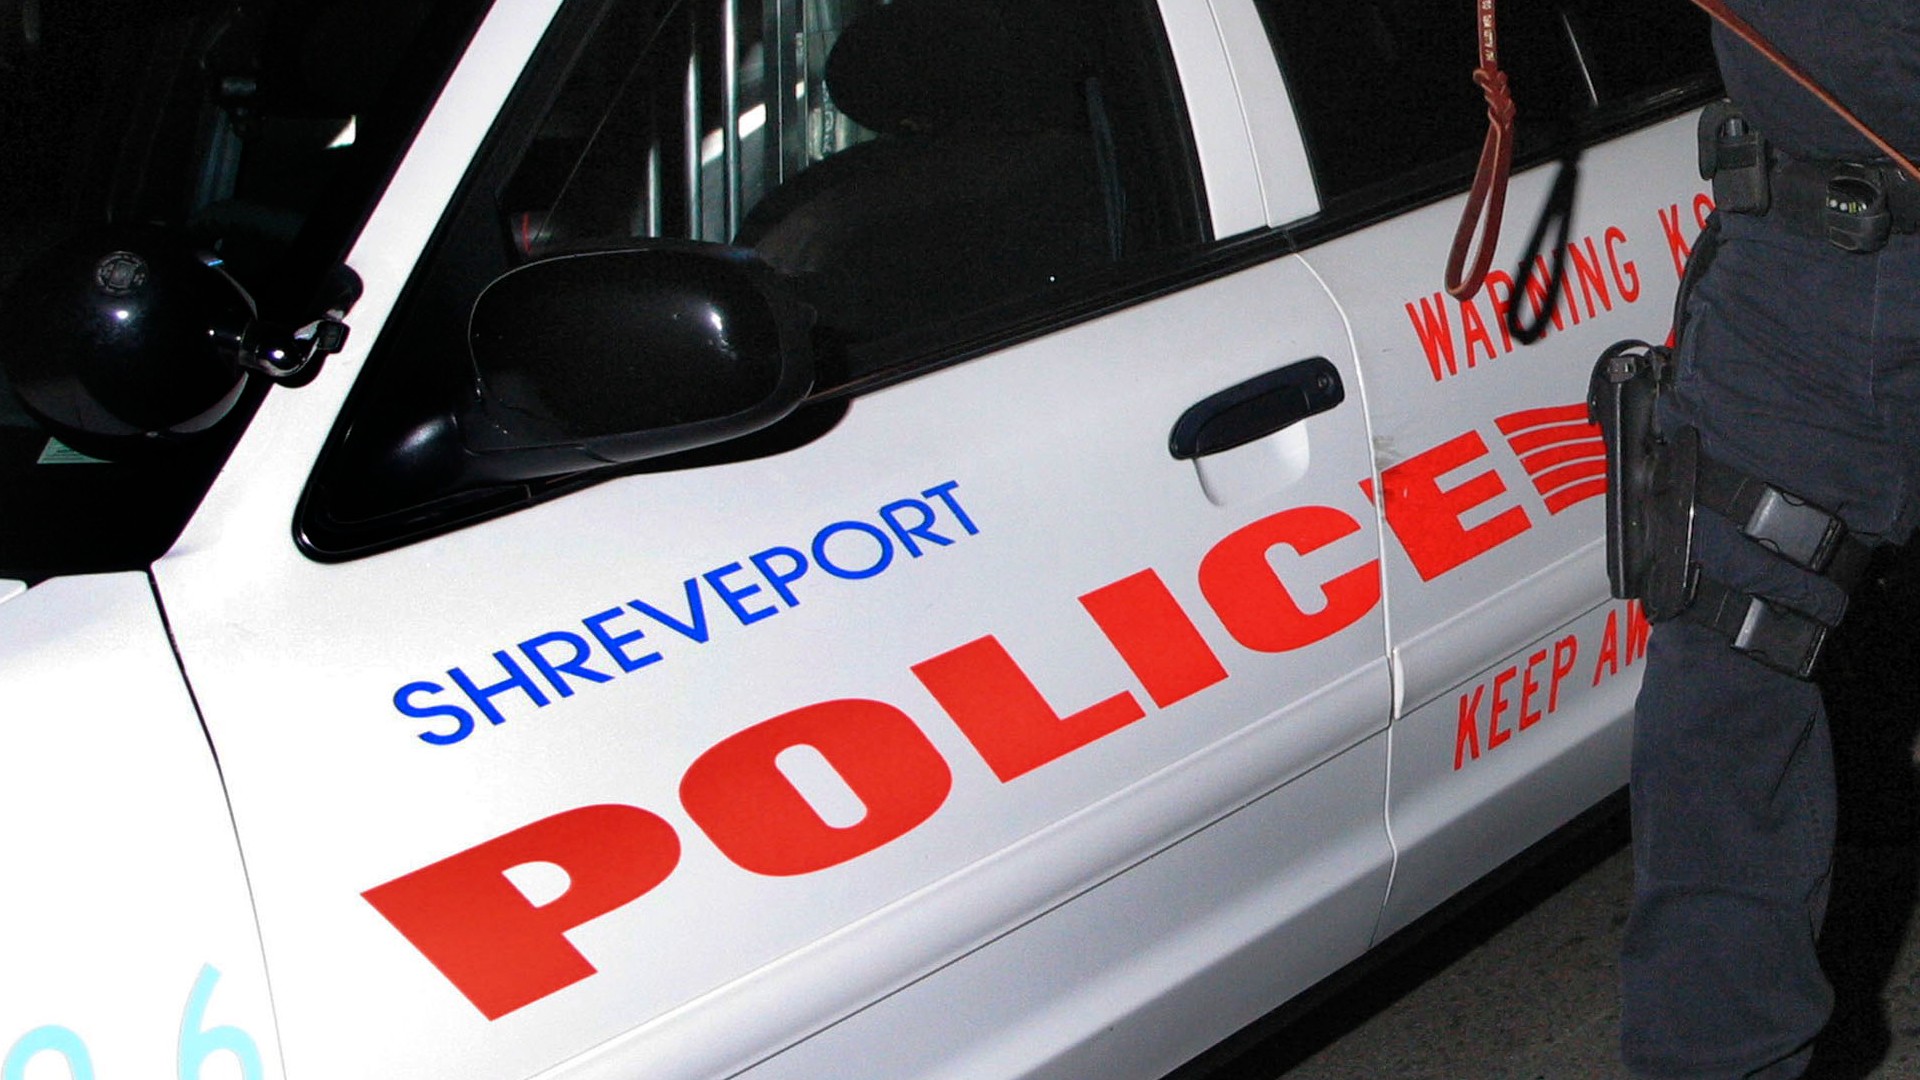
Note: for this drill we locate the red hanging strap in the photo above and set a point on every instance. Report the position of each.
(1487, 200)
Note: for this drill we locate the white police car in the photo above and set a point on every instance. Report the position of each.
(952, 538)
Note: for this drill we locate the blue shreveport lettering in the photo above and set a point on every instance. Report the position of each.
(636, 632)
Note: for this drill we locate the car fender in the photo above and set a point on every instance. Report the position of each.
(129, 941)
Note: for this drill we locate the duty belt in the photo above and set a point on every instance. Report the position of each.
(1853, 206)
(1790, 527)
(1775, 634)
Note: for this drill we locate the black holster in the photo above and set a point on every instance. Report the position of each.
(1650, 481)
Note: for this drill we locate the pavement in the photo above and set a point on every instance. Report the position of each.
(1534, 1000)
(1521, 985)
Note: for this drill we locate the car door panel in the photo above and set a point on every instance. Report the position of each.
(1491, 485)
(1514, 671)
(1127, 647)
(853, 709)
(1075, 693)
(1083, 990)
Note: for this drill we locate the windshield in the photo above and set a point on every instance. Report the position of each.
(260, 131)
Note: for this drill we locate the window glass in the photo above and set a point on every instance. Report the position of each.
(907, 163)
(929, 175)
(1385, 96)
(1639, 50)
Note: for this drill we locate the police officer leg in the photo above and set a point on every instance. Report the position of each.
(1733, 830)
(1733, 794)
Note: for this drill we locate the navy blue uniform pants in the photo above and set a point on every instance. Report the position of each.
(1800, 364)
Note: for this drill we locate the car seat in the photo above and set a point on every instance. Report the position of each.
(991, 176)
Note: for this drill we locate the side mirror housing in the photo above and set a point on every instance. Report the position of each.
(614, 357)
(579, 363)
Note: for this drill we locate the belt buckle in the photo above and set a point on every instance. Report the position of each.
(1795, 529)
(1855, 212)
(1781, 638)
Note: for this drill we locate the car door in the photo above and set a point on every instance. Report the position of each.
(1514, 673)
(1068, 559)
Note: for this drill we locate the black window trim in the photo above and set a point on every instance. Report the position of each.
(1445, 180)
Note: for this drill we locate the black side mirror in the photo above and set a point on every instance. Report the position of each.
(620, 356)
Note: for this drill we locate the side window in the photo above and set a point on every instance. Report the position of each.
(929, 175)
(1386, 100)
(909, 164)
(1639, 51)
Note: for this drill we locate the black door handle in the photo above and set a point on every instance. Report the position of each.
(1257, 408)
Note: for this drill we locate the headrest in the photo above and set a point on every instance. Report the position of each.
(933, 65)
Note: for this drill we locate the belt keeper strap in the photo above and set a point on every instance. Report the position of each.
(1792, 528)
(1773, 634)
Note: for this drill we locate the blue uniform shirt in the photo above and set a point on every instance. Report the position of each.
(1865, 52)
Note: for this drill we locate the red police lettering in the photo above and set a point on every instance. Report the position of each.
(1677, 246)
(1153, 634)
(1616, 648)
(1563, 307)
(1466, 729)
(1565, 652)
(1498, 697)
(1499, 287)
(503, 951)
(1626, 276)
(494, 944)
(1585, 257)
(1436, 336)
(1597, 281)
(752, 812)
(1254, 604)
(1473, 331)
(1529, 686)
(1427, 517)
(1005, 716)
(1495, 733)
